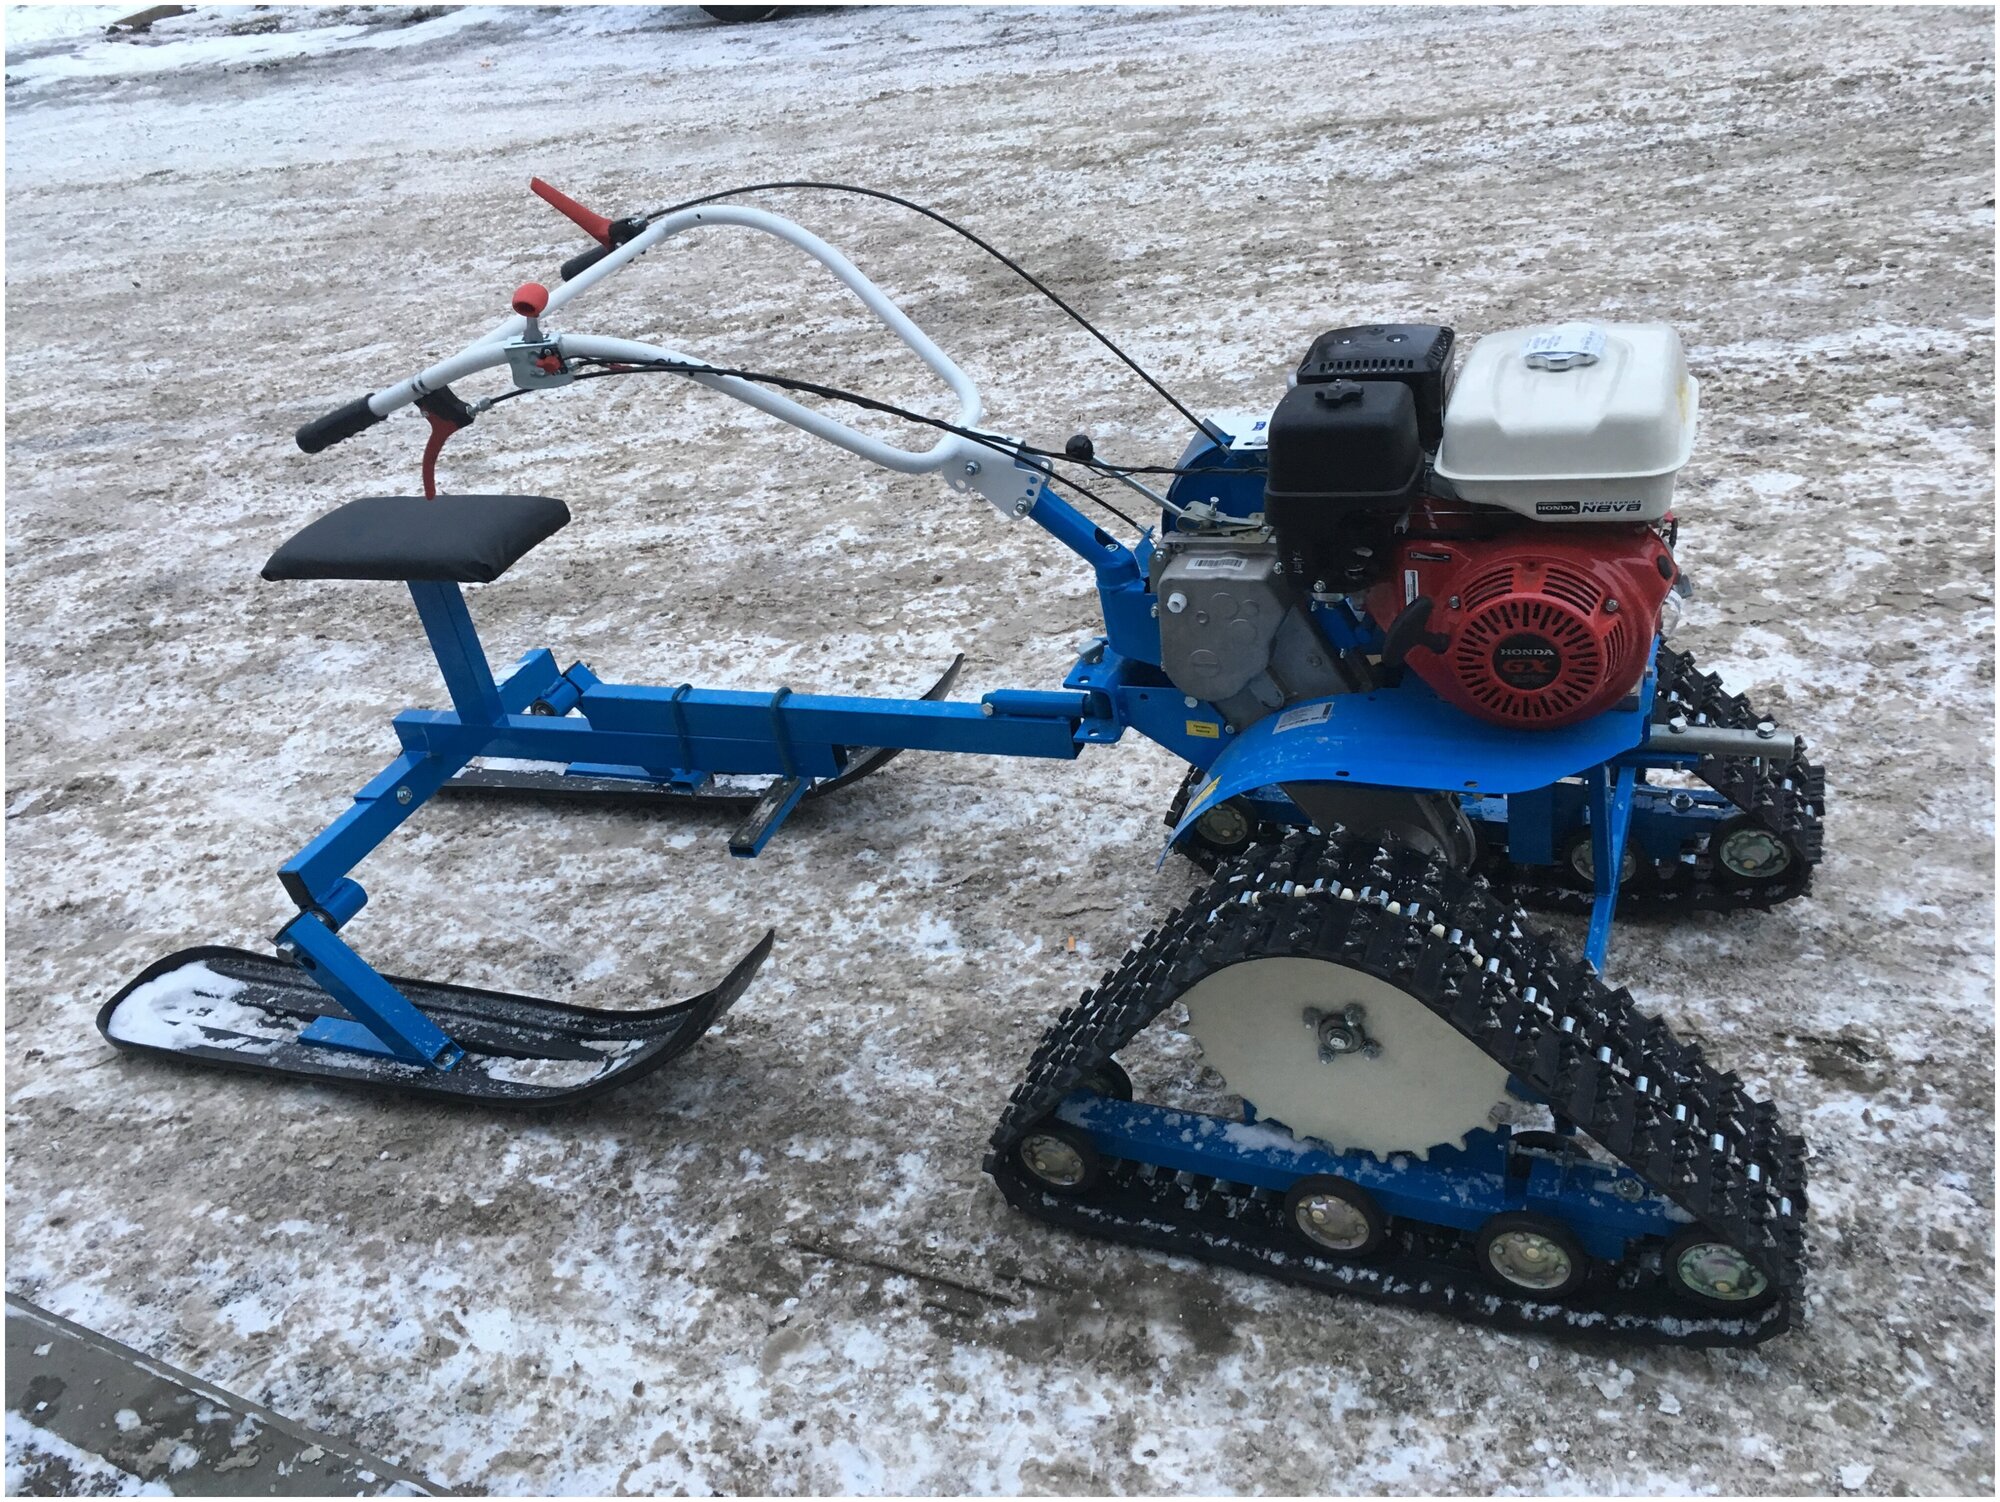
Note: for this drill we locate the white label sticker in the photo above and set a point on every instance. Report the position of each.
(1305, 714)
(1246, 430)
(1218, 563)
(1560, 348)
(1409, 586)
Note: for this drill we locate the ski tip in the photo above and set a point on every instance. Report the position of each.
(745, 970)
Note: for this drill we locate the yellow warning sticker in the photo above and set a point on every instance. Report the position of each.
(1208, 730)
(1202, 796)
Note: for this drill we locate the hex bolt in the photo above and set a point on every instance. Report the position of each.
(986, 709)
(1678, 724)
(971, 468)
(1766, 729)
(1023, 506)
(1610, 605)
(403, 796)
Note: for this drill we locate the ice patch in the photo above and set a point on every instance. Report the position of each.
(559, 1073)
(32, 25)
(191, 1008)
(36, 1459)
(114, 58)
(1774, 483)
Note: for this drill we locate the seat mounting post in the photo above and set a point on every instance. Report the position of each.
(455, 643)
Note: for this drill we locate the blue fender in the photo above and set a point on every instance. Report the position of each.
(1407, 737)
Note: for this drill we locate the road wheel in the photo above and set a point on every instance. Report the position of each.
(1582, 862)
(1531, 1254)
(1714, 1274)
(1109, 1080)
(1746, 854)
(1060, 1158)
(1336, 1218)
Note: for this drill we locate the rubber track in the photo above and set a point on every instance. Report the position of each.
(1787, 796)
(1693, 1134)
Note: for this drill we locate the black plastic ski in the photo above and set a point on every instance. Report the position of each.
(239, 1010)
(554, 781)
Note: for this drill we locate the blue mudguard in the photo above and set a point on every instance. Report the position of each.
(1407, 737)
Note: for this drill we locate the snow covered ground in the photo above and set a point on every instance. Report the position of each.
(777, 1266)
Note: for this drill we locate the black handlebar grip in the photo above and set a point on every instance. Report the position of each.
(344, 422)
(575, 266)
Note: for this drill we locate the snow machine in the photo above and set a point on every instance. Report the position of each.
(1407, 630)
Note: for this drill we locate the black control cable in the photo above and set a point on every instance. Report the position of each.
(993, 441)
(958, 229)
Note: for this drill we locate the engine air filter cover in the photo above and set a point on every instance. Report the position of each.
(1417, 355)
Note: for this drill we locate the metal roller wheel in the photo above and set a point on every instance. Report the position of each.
(1110, 1080)
(1746, 854)
(1714, 1275)
(1531, 1254)
(1582, 862)
(1060, 1158)
(1336, 1217)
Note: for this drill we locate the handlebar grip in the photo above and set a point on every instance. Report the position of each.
(344, 422)
(575, 266)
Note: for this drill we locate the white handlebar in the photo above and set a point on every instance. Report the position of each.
(948, 454)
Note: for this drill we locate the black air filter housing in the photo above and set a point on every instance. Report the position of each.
(1345, 463)
(1417, 355)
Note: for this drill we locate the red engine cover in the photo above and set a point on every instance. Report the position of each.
(1542, 626)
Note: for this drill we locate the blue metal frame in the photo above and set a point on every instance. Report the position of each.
(1401, 738)
(1457, 1187)
(1541, 788)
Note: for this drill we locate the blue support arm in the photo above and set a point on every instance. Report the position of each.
(1610, 799)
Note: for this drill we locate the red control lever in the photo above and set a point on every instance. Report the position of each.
(530, 299)
(594, 225)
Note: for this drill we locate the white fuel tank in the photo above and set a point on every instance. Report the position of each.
(1572, 422)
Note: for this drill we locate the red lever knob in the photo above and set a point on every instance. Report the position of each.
(530, 298)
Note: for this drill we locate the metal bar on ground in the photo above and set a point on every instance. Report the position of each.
(78, 1401)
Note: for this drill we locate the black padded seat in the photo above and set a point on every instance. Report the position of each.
(466, 539)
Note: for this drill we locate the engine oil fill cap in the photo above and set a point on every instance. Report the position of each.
(1565, 347)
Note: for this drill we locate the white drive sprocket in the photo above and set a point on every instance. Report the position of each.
(1339, 1055)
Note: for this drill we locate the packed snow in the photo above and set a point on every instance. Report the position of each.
(775, 1265)
(47, 1465)
(192, 1007)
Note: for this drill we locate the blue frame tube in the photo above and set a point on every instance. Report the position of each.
(1610, 802)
